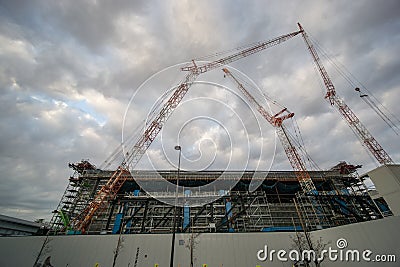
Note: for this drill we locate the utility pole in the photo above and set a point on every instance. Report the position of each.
(171, 262)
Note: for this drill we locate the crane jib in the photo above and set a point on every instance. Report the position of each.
(350, 117)
(241, 54)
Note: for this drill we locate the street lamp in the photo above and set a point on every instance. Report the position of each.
(171, 262)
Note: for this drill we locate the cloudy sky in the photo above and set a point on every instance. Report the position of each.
(72, 73)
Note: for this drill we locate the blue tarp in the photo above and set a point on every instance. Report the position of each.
(186, 216)
(117, 223)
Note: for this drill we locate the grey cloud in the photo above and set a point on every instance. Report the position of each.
(55, 54)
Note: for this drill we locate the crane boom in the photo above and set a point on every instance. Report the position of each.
(118, 178)
(241, 54)
(109, 191)
(352, 120)
(276, 121)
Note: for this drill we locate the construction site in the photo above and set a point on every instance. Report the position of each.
(277, 205)
(116, 205)
(105, 201)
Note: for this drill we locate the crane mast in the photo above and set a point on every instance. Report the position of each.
(109, 191)
(352, 120)
(276, 121)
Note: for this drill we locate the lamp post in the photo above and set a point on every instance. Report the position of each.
(171, 262)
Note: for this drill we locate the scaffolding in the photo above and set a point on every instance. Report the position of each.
(277, 205)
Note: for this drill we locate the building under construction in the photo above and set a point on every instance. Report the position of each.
(98, 201)
(277, 205)
(111, 218)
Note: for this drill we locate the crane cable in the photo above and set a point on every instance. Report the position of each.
(322, 51)
(354, 82)
(118, 151)
(224, 52)
(129, 142)
(378, 111)
(313, 165)
(297, 139)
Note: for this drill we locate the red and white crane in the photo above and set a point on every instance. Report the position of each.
(352, 120)
(109, 191)
(276, 121)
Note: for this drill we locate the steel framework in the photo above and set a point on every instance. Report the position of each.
(270, 208)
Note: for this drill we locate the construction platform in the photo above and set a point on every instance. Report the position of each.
(278, 204)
